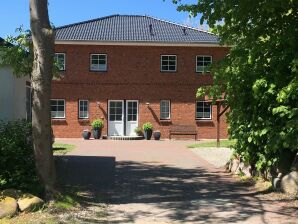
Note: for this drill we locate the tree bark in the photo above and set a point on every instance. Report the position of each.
(43, 52)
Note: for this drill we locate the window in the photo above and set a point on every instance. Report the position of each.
(98, 62)
(83, 108)
(132, 110)
(60, 60)
(203, 62)
(28, 102)
(58, 108)
(116, 111)
(165, 109)
(168, 63)
(203, 110)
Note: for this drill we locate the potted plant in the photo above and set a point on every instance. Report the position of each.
(97, 126)
(139, 131)
(86, 134)
(147, 127)
(156, 135)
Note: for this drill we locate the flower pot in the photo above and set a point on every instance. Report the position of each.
(86, 134)
(96, 133)
(156, 135)
(147, 134)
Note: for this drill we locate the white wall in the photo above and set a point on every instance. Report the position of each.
(12, 95)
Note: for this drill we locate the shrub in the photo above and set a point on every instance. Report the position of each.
(17, 166)
(147, 126)
(138, 131)
(97, 124)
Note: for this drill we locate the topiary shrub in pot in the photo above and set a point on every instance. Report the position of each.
(156, 135)
(97, 126)
(148, 128)
(139, 131)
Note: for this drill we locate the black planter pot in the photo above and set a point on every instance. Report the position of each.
(96, 133)
(86, 135)
(147, 134)
(156, 135)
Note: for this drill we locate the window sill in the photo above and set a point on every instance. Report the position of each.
(98, 71)
(165, 120)
(204, 120)
(168, 71)
(58, 119)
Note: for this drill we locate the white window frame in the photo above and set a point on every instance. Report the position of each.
(99, 70)
(204, 118)
(169, 105)
(81, 117)
(64, 56)
(168, 55)
(63, 117)
(204, 66)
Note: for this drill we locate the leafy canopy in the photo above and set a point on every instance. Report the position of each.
(17, 53)
(259, 75)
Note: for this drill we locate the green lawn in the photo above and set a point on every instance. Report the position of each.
(61, 148)
(223, 143)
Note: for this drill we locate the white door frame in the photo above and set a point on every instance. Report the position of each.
(128, 124)
(111, 124)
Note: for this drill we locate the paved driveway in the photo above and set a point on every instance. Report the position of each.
(163, 182)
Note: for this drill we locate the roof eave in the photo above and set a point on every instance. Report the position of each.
(139, 43)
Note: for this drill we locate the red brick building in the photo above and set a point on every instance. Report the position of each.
(128, 70)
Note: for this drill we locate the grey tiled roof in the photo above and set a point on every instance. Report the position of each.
(133, 28)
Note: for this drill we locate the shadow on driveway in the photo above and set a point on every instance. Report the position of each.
(170, 193)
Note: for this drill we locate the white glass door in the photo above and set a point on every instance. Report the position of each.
(116, 118)
(132, 114)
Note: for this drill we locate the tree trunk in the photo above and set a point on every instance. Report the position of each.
(43, 52)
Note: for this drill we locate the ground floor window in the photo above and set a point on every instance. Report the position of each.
(165, 109)
(58, 108)
(83, 109)
(203, 110)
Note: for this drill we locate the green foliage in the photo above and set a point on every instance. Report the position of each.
(17, 166)
(60, 148)
(97, 124)
(138, 131)
(259, 76)
(147, 126)
(18, 54)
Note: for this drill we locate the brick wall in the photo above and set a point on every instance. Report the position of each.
(134, 73)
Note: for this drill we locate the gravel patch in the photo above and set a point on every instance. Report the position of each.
(218, 157)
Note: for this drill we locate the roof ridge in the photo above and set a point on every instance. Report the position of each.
(178, 24)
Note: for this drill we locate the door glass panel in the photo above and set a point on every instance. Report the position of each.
(132, 111)
(115, 111)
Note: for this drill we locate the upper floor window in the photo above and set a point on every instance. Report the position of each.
(203, 110)
(165, 109)
(98, 62)
(60, 60)
(58, 108)
(168, 63)
(203, 61)
(83, 109)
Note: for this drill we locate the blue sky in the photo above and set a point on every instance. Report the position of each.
(16, 12)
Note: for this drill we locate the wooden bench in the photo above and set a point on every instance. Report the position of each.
(183, 130)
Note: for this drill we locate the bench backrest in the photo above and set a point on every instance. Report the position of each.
(183, 128)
